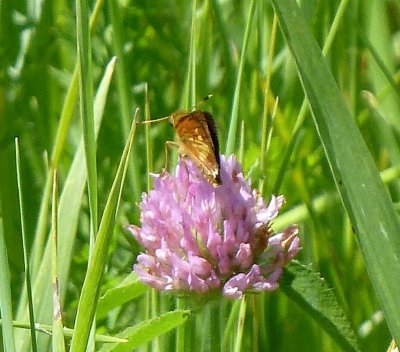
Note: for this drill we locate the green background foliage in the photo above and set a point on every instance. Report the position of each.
(170, 54)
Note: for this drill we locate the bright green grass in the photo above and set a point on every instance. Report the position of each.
(183, 51)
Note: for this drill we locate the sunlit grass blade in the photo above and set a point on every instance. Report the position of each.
(266, 129)
(311, 293)
(149, 147)
(367, 202)
(240, 324)
(129, 289)
(91, 286)
(233, 314)
(147, 331)
(58, 343)
(234, 119)
(5, 296)
(123, 86)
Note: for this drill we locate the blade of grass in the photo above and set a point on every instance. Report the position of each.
(127, 290)
(86, 106)
(367, 202)
(240, 324)
(149, 147)
(152, 298)
(123, 86)
(147, 330)
(5, 296)
(87, 118)
(192, 63)
(266, 129)
(233, 314)
(58, 343)
(230, 143)
(28, 282)
(91, 286)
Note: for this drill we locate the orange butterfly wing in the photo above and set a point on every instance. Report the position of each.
(198, 140)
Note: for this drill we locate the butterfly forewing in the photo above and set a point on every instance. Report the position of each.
(198, 140)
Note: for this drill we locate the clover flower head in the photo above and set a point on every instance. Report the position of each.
(203, 239)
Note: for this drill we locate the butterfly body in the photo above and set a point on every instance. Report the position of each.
(198, 140)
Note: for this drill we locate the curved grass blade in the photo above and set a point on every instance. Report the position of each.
(91, 286)
(367, 202)
(127, 290)
(58, 343)
(147, 331)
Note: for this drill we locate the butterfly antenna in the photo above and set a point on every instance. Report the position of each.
(155, 120)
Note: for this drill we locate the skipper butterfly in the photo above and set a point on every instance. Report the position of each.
(198, 140)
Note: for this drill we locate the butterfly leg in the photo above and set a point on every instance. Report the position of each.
(169, 144)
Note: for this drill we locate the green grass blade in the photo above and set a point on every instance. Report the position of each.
(366, 200)
(90, 290)
(147, 330)
(240, 324)
(87, 118)
(127, 290)
(234, 120)
(25, 250)
(58, 343)
(124, 93)
(86, 105)
(5, 296)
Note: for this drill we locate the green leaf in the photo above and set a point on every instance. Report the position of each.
(127, 290)
(90, 290)
(367, 202)
(147, 330)
(310, 291)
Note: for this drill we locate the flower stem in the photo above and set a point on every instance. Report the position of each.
(241, 321)
(180, 331)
